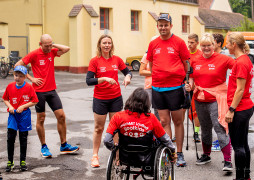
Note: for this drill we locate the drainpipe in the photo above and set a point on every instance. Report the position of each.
(43, 15)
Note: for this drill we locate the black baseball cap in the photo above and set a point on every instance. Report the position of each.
(165, 17)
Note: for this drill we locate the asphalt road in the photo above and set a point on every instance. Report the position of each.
(77, 102)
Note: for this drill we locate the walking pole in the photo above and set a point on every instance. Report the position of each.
(187, 79)
(188, 96)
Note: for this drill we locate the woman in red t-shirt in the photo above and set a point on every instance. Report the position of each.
(239, 103)
(103, 73)
(210, 93)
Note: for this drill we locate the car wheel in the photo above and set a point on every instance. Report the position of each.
(135, 65)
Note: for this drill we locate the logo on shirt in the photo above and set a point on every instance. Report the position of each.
(42, 62)
(102, 69)
(211, 66)
(170, 50)
(115, 67)
(14, 100)
(26, 98)
(197, 67)
(49, 59)
(134, 129)
(157, 51)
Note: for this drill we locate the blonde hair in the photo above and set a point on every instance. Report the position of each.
(238, 38)
(207, 38)
(111, 52)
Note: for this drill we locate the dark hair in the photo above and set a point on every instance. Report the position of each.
(138, 102)
(219, 39)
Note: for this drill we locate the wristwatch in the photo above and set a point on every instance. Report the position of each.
(231, 109)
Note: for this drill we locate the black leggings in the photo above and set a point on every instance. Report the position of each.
(11, 136)
(238, 131)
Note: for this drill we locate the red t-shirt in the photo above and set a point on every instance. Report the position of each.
(133, 126)
(43, 67)
(18, 97)
(243, 68)
(106, 68)
(167, 57)
(210, 72)
(195, 55)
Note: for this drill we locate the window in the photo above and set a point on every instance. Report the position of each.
(104, 18)
(0, 41)
(186, 24)
(134, 21)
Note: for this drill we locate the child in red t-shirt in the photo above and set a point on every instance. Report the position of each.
(18, 97)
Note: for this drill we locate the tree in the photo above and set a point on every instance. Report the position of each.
(241, 6)
(246, 25)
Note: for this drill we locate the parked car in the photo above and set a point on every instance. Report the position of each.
(134, 62)
(250, 43)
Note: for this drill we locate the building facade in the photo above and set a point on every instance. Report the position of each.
(80, 23)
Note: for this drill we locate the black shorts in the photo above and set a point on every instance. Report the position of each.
(171, 100)
(102, 107)
(51, 97)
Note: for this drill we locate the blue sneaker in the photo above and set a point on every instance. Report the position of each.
(68, 149)
(45, 152)
(180, 162)
(215, 146)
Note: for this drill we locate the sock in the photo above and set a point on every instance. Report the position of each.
(43, 145)
(197, 129)
(206, 149)
(227, 152)
(64, 144)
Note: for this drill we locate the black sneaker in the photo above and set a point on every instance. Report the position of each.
(1, 178)
(196, 137)
(9, 167)
(203, 160)
(227, 166)
(23, 166)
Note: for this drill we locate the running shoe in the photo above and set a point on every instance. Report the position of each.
(203, 160)
(95, 161)
(227, 166)
(216, 146)
(174, 139)
(196, 137)
(180, 162)
(68, 149)
(45, 152)
(9, 167)
(23, 166)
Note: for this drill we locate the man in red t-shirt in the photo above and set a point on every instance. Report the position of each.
(194, 52)
(42, 61)
(167, 57)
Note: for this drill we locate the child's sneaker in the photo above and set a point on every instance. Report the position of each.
(68, 149)
(23, 166)
(215, 146)
(9, 167)
(45, 152)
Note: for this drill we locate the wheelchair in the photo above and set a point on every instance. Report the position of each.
(140, 156)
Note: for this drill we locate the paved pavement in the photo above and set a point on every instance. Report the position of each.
(77, 102)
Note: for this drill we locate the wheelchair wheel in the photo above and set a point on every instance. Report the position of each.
(164, 168)
(4, 71)
(115, 171)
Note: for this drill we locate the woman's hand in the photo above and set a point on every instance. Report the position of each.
(229, 117)
(188, 87)
(110, 80)
(127, 80)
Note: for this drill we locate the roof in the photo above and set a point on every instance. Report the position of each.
(154, 15)
(205, 4)
(215, 19)
(77, 8)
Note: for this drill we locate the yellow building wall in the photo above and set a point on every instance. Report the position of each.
(196, 29)
(221, 5)
(19, 13)
(4, 37)
(35, 32)
(218, 31)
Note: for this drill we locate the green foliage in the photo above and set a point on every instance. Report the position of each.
(246, 25)
(241, 6)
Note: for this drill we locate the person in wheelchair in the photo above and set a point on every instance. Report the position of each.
(139, 131)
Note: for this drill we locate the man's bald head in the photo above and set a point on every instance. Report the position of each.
(46, 43)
